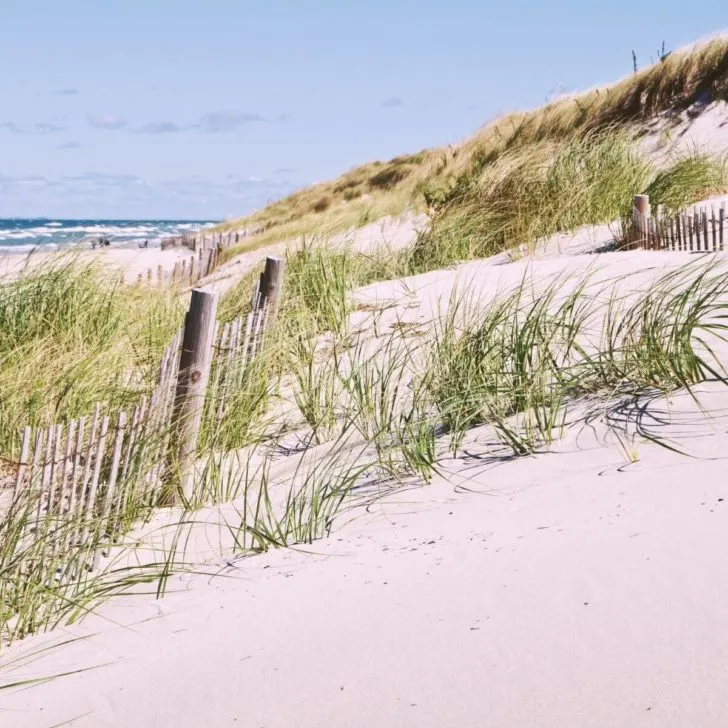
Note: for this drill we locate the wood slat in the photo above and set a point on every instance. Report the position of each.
(678, 224)
(24, 460)
(98, 462)
(45, 479)
(65, 496)
(87, 457)
(115, 464)
(77, 469)
(55, 467)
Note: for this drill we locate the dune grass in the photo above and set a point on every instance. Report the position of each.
(433, 178)
(75, 338)
(529, 194)
(70, 337)
(368, 415)
(373, 415)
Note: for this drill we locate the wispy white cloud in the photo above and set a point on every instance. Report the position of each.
(11, 126)
(106, 121)
(128, 195)
(217, 122)
(104, 178)
(162, 127)
(48, 128)
(41, 127)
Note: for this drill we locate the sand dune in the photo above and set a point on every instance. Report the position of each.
(584, 586)
(569, 589)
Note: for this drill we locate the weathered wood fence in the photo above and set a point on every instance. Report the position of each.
(701, 230)
(99, 468)
(206, 251)
(194, 241)
(186, 272)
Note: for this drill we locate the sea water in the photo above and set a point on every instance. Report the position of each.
(18, 235)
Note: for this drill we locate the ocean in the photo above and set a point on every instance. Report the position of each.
(18, 235)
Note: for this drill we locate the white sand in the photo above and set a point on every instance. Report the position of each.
(702, 129)
(131, 261)
(565, 590)
(391, 232)
(569, 589)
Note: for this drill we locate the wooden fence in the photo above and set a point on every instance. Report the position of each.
(194, 241)
(98, 468)
(702, 230)
(186, 272)
(206, 250)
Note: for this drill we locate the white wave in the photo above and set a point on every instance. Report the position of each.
(22, 235)
(26, 248)
(62, 234)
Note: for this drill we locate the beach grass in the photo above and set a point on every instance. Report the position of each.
(689, 78)
(362, 412)
(71, 337)
(369, 415)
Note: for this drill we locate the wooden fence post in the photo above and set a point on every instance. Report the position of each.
(271, 280)
(194, 371)
(640, 224)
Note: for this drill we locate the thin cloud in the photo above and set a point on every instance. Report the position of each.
(162, 127)
(217, 122)
(41, 127)
(107, 122)
(392, 103)
(11, 126)
(48, 128)
(7, 183)
(69, 145)
(67, 92)
(105, 178)
(116, 194)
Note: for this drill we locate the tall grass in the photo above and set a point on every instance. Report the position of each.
(383, 411)
(56, 567)
(687, 179)
(70, 337)
(524, 360)
(530, 193)
(691, 77)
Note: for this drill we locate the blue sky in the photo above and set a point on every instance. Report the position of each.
(209, 108)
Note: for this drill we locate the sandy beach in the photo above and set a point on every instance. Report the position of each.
(570, 589)
(430, 427)
(131, 261)
(583, 586)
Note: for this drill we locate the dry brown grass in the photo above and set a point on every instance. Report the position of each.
(430, 178)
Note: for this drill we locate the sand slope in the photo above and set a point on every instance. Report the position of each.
(573, 588)
(565, 590)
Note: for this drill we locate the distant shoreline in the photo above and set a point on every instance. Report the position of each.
(114, 259)
(23, 235)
